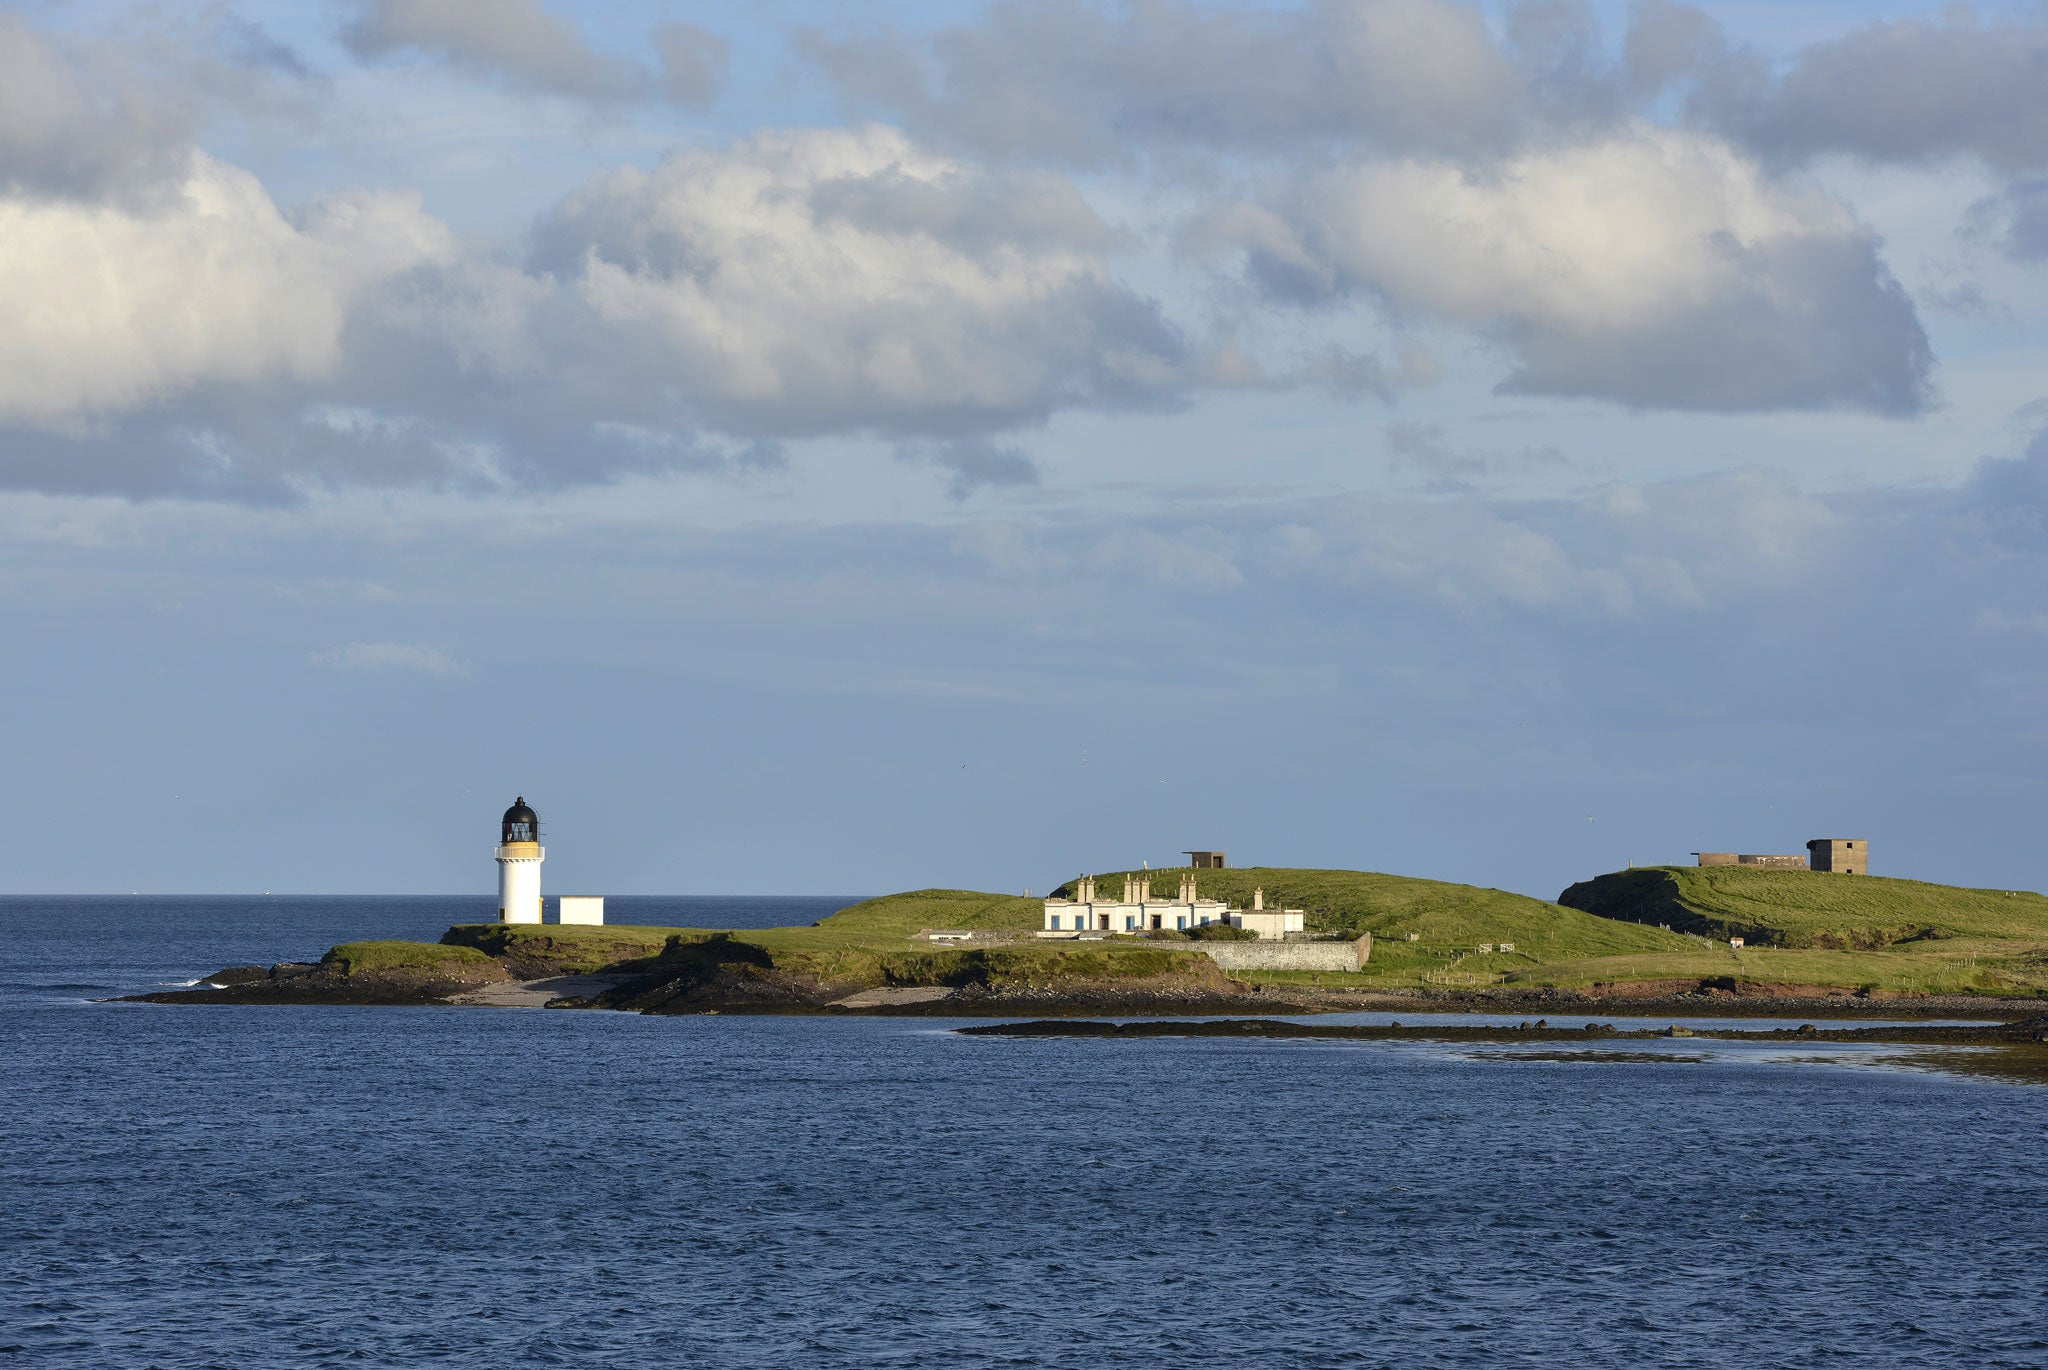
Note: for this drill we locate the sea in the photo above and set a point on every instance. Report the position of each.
(250, 1187)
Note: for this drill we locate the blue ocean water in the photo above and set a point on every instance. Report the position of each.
(258, 1187)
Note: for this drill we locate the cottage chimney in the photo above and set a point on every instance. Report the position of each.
(1259, 898)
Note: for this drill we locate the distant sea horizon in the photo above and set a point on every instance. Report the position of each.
(134, 943)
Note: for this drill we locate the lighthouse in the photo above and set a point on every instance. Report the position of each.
(519, 858)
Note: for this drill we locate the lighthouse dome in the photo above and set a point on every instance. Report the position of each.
(521, 824)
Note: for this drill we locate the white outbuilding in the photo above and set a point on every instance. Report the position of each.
(584, 910)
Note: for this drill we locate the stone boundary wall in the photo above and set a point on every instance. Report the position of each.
(1346, 956)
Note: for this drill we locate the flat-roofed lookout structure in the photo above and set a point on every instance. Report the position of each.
(1206, 860)
(1836, 855)
(1841, 855)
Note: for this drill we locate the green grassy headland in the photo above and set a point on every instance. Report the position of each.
(1855, 933)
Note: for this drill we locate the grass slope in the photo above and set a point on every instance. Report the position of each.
(1810, 909)
(869, 944)
(1810, 927)
(560, 949)
(365, 958)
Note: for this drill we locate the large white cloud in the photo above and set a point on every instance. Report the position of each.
(1655, 267)
(687, 317)
(110, 307)
(842, 279)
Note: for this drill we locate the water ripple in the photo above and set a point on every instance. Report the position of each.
(262, 1188)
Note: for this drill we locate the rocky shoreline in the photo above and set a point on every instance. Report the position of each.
(2008, 1037)
(2025, 1032)
(735, 980)
(2012, 1052)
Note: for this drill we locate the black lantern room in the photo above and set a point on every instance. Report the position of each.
(521, 823)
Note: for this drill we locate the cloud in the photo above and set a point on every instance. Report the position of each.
(195, 337)
(1424, 448)
(691, 317)
(974, 463)
(387, 657)
(1624, 552)
(1094, 83)
(1655, 268)
(1187, 558)
(693, 64)
(1079, 82)
(84, 117)
(2015, 220)
(2011, 495)
(113, 308)
(522, 45)
(844, 280)
(1462, 555)
(1900, 91)
(1007, 548)
(248, 46)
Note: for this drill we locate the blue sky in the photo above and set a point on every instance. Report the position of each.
(834, 448)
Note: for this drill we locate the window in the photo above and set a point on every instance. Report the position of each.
(1181, 921)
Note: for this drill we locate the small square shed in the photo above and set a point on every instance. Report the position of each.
(586, 910)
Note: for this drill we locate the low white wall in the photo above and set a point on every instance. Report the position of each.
(1344, 956)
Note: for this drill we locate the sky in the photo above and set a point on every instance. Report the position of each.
(822, 448)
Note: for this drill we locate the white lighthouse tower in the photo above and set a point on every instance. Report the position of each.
(519, 858)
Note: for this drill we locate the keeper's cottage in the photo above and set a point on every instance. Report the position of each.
(1140, 910)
